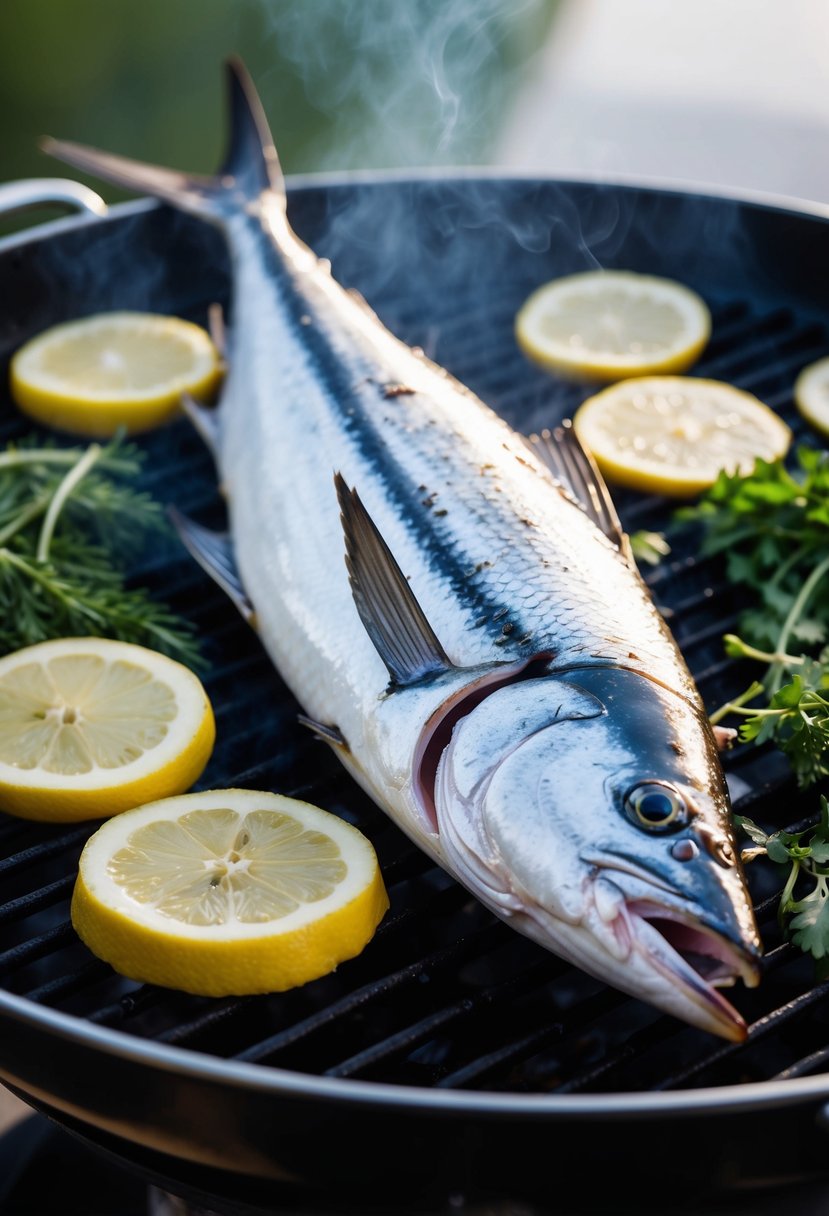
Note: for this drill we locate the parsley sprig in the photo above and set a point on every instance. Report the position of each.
(70, 522)
(773, 528)
(806, 854)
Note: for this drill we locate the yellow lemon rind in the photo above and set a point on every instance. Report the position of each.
(32, 793)
(651, 477)
(101, 419)
(73, 804)
(229, 968)
(583, 366)
(816, 412)
(99, 416)
(204, 962)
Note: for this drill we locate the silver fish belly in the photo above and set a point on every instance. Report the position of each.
(486, 661)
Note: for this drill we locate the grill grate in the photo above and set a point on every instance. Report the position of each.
(445, 996)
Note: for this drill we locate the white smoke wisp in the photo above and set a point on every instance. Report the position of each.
(404, 83)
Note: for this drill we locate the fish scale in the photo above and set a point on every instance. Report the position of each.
(477, 532)
(457, 613)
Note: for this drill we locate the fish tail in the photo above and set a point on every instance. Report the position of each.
(250, 167)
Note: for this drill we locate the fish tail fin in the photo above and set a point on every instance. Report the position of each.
(250, 167)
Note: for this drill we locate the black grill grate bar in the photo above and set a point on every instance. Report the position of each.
(411, 1036)
(699, 600)
(817, 1062)
(452, 896)
(751, 335)
(669, 571)
(757, 1031)
(412, 863)
(645, 1040)
(70, 983)
(462, 948)
(33, 901)
(723, 625)
(790, 357)
(518, 1049)
(647, 507)
(642, 1041)
(57, 846)
(129, 1005)
(220, 1012)
(714, 671)
(775, 958)
(529, 1043)
(728, 328)
(36, 947)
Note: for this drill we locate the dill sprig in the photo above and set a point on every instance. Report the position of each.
(70, 522)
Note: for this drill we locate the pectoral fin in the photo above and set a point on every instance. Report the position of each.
(322, 730)
(392, 617)
(205, 420)
(214, 553)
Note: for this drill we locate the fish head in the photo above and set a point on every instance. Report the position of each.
(591, 811)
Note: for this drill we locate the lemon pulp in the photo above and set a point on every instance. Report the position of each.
(674, 434)
(210, 867)
(811, 394)
(227, 892)
(111, 370)
(607, 324)
(91, 726)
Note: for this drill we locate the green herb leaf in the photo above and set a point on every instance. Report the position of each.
(810, 926)
(751, 829)
(70, 522)
(649, 547)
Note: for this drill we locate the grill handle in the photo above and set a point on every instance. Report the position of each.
(50, 191)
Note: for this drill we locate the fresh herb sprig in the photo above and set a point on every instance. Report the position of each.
(70, 522)
(773, 528)
(806, 854)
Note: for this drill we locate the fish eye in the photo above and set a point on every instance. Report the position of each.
(656, 806)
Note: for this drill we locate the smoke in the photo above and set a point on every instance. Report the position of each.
(401, 82)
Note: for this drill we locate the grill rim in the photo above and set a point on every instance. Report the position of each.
(532, 1107)
(724, 1099)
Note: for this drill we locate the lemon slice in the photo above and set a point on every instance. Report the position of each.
(90, 727)
(607, 324)
(227, 892)
(811, 394)
(118, 369)
(674, 434)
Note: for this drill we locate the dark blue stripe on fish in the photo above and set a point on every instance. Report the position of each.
(309, 327)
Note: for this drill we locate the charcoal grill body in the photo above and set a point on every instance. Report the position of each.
(454, 1058)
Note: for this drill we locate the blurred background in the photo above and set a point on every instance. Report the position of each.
(346, 83)
(727, 94)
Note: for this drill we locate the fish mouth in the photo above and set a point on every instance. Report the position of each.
(695, 958)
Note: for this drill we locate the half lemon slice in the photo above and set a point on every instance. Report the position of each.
(90, 727)
(674, 434)
(607, 324)
(227, 893)
(117, 369)
(811, 394)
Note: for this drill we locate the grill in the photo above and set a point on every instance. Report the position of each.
(453, 1058)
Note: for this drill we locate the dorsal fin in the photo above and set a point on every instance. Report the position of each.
(250, 157)
(576, 470)
(249, 168)
(392, 617)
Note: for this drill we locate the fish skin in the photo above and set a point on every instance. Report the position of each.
(564, 688)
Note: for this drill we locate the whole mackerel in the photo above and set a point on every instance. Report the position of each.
(486, 661)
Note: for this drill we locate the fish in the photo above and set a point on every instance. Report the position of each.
(457, 611)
